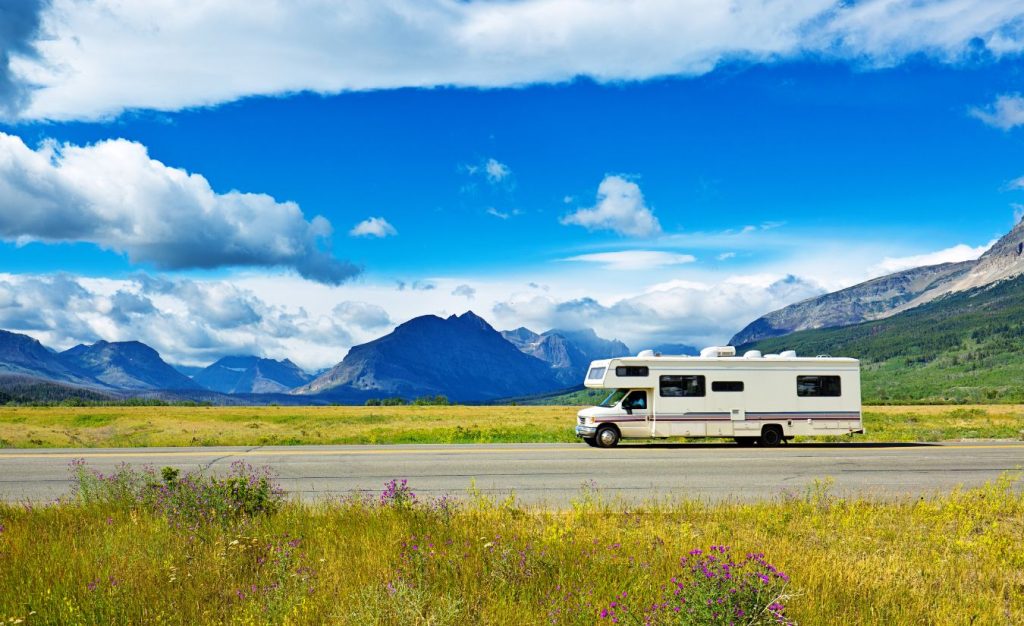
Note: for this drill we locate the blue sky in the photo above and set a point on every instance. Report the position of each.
(670, 187)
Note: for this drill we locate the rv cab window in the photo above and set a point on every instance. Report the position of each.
(635, 400)
(613, 398)
(682, 386)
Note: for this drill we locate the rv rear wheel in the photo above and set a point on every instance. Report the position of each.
(771, 435)
(607, 437)
(745, 441)
(590, 441)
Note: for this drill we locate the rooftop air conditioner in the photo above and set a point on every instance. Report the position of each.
(715, 351)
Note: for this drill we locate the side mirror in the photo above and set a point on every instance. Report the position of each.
(629, 410)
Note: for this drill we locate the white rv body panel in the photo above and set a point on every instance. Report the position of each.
(726, 396)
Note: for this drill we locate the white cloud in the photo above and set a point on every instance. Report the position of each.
(102, 57)
(725, 256)
(187, 321)
(362, 314)
(503, 215)
(1007, 112)
(465, 291)
(114, 195)
(634, 259)
(373, 227)
(620, 207)
(954, 254)
(1018, 212)
(496, 170)
(676, 311)
(1016, 184)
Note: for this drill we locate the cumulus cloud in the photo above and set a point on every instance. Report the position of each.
(496, 170)
(373, 227)
(105, 56)
(464, 290)
(675, 311)
(114, 195)
(953, 254)
(187, 321)
(362, 314)
(725, 256)
(620, 207)
(1007, 112)
(634, 259)
(19, 28)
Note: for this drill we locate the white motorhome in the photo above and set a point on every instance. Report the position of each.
(754, 398)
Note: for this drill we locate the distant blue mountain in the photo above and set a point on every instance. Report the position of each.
(126, 365)
(461, 357)
(251, 374)
(567, 352)
(24, 356)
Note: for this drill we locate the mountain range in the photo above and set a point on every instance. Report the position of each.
(890, 295)
(251, 374)
(461, 357)
(567, 352)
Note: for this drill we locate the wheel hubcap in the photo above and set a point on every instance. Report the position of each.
(607, 437)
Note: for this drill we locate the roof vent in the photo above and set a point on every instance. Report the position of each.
(752, 354)
(716, 351)
(788, 354)
(643, 354)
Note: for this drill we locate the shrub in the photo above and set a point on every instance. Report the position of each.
(712, 589)
(397, 494)
(189, 500)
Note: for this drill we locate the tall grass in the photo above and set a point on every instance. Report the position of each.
(85, 427)
(809, 557)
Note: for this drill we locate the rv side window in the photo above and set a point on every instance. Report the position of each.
(682, 386)
(810, 386)
(727, 385)
(595, 373)
(631, 370)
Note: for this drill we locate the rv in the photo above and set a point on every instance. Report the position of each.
(754, 398)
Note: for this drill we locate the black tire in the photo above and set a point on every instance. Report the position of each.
(745, 441)
(607, 437)
(771, 435)
(590, 441)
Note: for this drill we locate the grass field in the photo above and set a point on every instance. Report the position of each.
(125, 557)
(27, 427)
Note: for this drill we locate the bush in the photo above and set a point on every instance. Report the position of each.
(712, 589)
(190, 500)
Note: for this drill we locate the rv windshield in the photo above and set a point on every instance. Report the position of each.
(613, 398)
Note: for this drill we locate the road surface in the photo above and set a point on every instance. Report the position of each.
(553, 473)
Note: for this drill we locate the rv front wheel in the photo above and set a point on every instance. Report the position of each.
(771, 435)
(607, 437)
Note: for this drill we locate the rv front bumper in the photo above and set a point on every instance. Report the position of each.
(584, 431)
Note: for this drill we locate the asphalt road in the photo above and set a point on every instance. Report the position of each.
(553, 473)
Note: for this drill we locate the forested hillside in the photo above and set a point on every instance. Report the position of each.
(963, 347)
